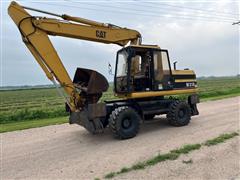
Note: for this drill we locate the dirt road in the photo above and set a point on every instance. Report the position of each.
(69, 152)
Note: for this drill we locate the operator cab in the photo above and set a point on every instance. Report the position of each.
(141, 69)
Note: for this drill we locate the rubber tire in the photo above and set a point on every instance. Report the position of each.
(116, 122)
(173, 114)
(149, 116)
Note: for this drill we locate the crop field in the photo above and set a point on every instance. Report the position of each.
(37, 104)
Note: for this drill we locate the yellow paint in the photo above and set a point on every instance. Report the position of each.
(185, 80)
(158, 93)
(183, 72)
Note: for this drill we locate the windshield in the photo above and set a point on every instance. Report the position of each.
(122, 64)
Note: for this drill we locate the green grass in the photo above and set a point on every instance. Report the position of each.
(160, 158)
(219, 93)
(31, 124)
(220, 139)
(186, 149)
(220, 97)
(31, 114)
(124, 170)
(110, 175)
(172, 155)
(30, 104)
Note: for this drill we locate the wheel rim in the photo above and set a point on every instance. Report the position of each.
(181, 113)
(126, 123)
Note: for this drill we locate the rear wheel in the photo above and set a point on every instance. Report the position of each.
(179, 113)
(124, 122)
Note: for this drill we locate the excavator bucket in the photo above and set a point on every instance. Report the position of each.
(93, 84)
(91, 81)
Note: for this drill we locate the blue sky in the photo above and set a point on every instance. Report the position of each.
(205, 41)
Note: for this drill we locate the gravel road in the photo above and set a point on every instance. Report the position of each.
(69, 152)
(218, 162)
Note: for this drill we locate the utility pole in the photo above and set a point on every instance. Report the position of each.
(236, 23)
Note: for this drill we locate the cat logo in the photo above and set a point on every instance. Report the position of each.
(100, 34)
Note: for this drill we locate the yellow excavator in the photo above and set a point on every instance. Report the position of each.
(144, 80)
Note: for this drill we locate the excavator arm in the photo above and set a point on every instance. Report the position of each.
(35, 31)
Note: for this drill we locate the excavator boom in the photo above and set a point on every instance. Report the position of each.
(35, 31)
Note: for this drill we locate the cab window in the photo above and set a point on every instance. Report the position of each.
(161, 65)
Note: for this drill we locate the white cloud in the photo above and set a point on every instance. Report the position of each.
(206, 47)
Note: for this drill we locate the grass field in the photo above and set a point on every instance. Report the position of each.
(40, 104)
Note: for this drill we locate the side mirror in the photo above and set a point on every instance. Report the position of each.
(175, 65)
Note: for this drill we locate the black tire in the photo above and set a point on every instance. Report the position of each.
(149, 116)
(124, 122)
(179, 113)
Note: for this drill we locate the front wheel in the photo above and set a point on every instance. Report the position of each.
(124, 122)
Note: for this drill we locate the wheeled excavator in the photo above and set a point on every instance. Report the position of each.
(144, 80)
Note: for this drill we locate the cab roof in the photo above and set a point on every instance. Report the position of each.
(145, 46)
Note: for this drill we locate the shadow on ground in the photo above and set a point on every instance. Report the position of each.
(157, 124)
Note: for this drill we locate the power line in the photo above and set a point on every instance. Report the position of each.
(127, 13)
(235, 23)
(172, 9)
(191, 8)
(153, 12)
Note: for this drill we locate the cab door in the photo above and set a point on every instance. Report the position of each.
(140, 70)
(162, 70)
(121, 79)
